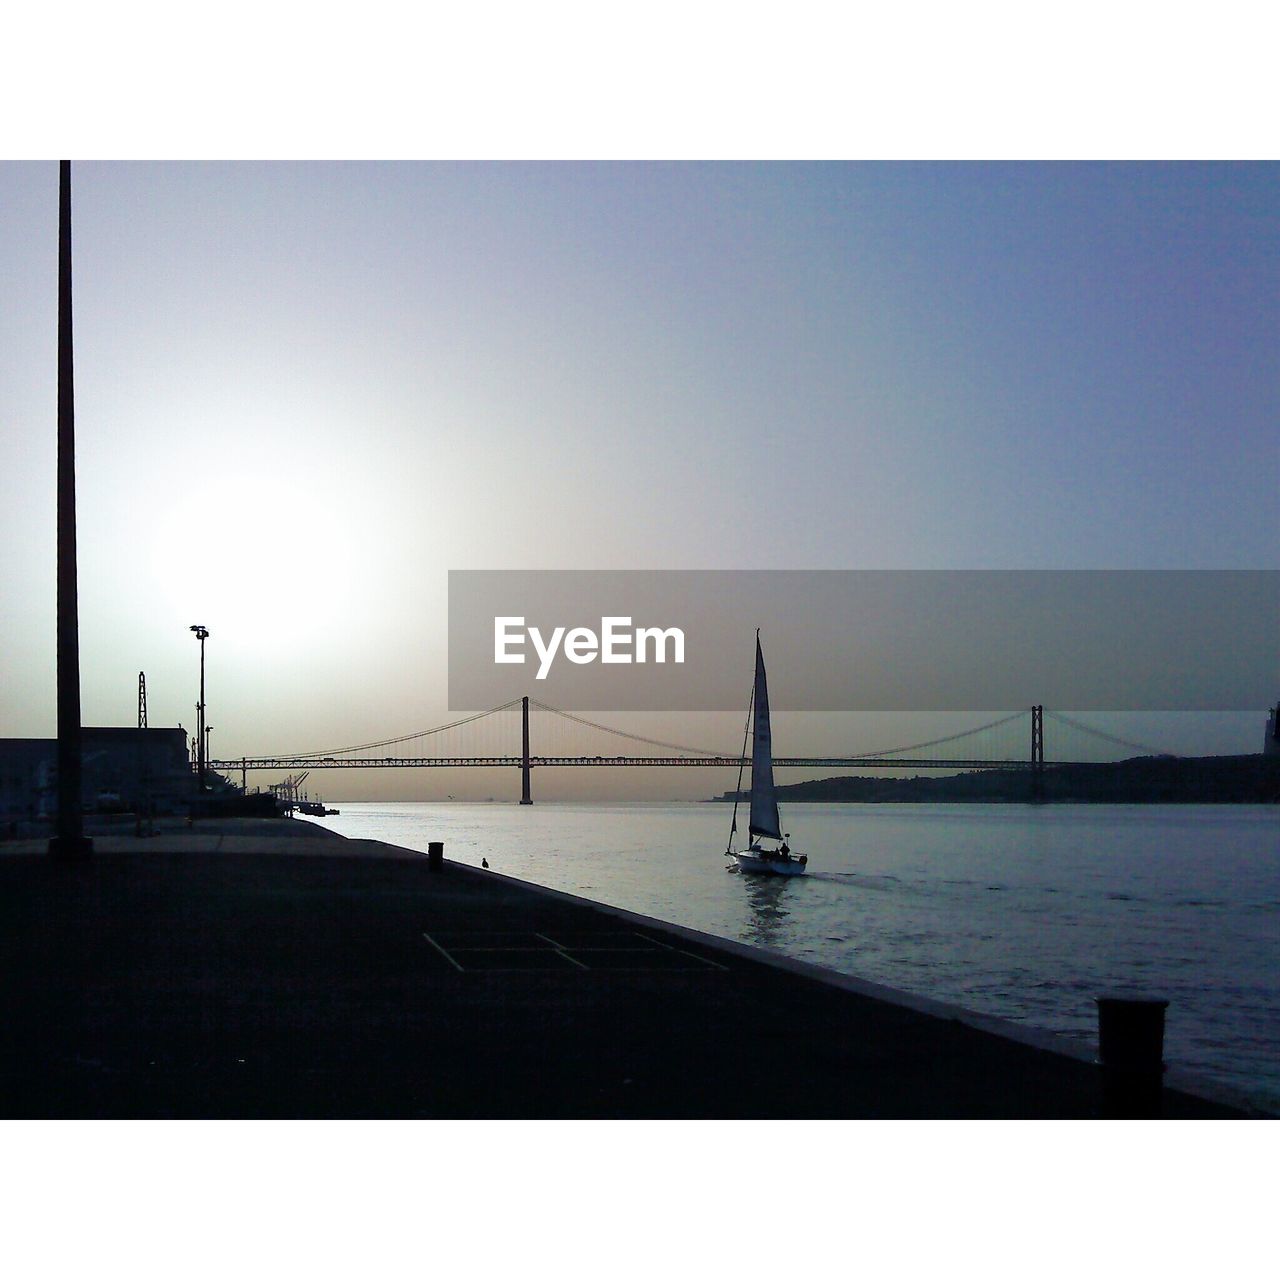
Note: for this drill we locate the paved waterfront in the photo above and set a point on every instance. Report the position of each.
(261, 969)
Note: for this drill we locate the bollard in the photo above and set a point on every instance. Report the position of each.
(1131, 1054)
(435, 855)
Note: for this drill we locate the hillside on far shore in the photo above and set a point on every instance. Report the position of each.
(1252, 779)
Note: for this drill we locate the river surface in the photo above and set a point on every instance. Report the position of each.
(1023, 912)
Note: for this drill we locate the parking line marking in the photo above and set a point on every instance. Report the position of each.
(561, 951)
(649, 944)
(679, 952)
(444, 953)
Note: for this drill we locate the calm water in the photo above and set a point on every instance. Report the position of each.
(1022, 912)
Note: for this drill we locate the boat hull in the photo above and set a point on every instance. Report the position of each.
(754, 864)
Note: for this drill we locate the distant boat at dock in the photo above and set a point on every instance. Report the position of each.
(313, 809)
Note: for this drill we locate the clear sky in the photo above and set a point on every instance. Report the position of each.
(304, 392)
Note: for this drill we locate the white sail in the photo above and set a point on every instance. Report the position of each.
(764, 802)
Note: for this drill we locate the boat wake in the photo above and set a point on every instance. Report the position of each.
(857, 880)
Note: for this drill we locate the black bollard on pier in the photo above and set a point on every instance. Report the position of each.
(435, 855)
(1131, 1055)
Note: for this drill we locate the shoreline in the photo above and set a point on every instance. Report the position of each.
(1033, 1037)
(215, 979)
(1144, 780)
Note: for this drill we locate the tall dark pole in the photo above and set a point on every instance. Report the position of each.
(70, 843)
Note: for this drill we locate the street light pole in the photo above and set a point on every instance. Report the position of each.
(69, 844)
(202, 634)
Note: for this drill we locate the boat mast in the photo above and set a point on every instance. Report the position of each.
(742, 761)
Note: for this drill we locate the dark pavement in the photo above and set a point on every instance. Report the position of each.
(286, 973)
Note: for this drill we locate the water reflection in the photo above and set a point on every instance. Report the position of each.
(766, 899)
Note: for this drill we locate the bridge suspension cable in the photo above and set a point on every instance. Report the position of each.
(622, 733)
(304, 757)
(408, 737)
(1108, 737)
(934, 742)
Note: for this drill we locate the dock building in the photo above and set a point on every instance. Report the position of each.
(124, 770)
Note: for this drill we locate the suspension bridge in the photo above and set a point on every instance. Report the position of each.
(486, 740)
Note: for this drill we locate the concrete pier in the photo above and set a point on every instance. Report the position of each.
(270, 969)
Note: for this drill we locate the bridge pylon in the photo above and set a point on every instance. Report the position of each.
(525, 798)
(1037, 753)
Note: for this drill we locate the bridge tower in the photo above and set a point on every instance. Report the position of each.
(525, 798)
(142, 699)
(1037, 753)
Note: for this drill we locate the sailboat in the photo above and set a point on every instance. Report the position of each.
(764, 822)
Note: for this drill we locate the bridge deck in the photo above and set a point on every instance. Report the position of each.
(264, 970)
